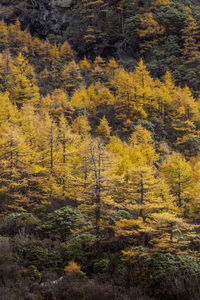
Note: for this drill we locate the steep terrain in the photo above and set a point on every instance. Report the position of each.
(165, 33)
(99, 150)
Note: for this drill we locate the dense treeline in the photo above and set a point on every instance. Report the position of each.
(165, 33)
(99, 177)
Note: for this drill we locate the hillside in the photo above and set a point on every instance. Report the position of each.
(99, 150)
(162, 32)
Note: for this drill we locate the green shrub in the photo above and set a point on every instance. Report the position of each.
(60, 222)
(40, 255)
(101, 266)
(15, 222)
(165, 275)
(162, 266)
(33, 273)
(77, 247)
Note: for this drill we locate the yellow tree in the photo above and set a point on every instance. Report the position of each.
(144, 193)
(128, 105)
(190, 36)
(81, 126)
(3, 36)
(144, 88)
(103, 130)
(150, 32)
(57, 104)
(104, 99)
(65, 161)
(71, 77)
(98, 70)
(184, 113)
(8, 111)
(65, 52)
(171, 233)
(91, 12)
(164, 94)
(96, 181)
(15, 37)
(14, 156)
(22, 83)
(141, 147)
(178, 174)
(5, 60)
(48, 155)
(85, 67)
(55, 61)
(85, 99)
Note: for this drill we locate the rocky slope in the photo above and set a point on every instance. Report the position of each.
(40, 17)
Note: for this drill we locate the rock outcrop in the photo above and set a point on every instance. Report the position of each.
(62, 3)
(41, 17)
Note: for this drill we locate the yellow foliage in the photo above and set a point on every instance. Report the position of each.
(72, 268)
(103, 129)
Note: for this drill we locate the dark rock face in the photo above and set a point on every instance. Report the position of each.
(40, 17)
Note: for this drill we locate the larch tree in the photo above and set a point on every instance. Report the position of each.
(71, 77)
(3, 36)
(95, 197)
(14, 156)
(190, 36)
(150, 32)
(171, 233)
(144, 88)
(92, 12)
(22, 82)
(178, 174)
(81, 126)
(103, 130)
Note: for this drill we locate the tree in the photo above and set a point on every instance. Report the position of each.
(143, 194)
(150, 32)
(190, 36)
(14, 157)
(171, 233)
(81, 126)
(141, 147)
(128, 105)
(144, 88)
(58, 224)
(96, 181)
(65, 51)
(92, 12)
(71, 77)
(103, 130)
(22, 87)
(8, 111)
(178, 174)
(98, 70)
(3, 36)
(15, 37)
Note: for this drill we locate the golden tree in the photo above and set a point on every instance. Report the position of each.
(22, 82)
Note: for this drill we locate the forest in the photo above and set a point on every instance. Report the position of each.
(100, 154)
